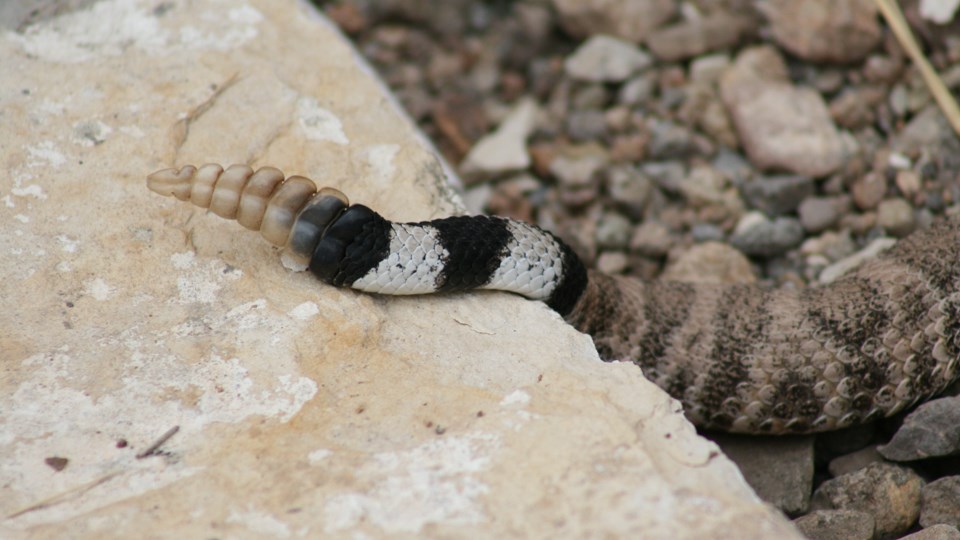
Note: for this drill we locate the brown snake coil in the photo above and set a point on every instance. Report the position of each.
(740, 358)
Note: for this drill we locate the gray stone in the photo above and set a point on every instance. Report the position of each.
(779, 469)
(896, 217)
(703, 186)
(669, 175)
(670, 140)
(652, 239)
(820, 213)
(908, 182)
(856, 108)
(586, 125)
(854, 461)
(709, 68)
(869, 190)
(833, 245)
(630, 189)
(734, 166)
(778, 194)
(825, 30)
(694, 37)
(935, 532)
(631, 20)
(780, 125)
(613, 231)
(759, 236)
(706, 232)
(941, 502)
(638, 90)
(836, 525)
(928, 131)
(590, 96)
(933, 429)
(891, 494)
(606, 59)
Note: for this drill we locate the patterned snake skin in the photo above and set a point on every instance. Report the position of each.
(740, 358)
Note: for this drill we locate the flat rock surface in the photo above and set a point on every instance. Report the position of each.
(303, 410)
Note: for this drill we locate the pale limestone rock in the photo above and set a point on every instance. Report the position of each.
(504, 150)
(304, 410)
(604, 58)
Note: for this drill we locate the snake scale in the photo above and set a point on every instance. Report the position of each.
(740, 358)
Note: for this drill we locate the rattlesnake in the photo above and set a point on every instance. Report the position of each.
(740, 358)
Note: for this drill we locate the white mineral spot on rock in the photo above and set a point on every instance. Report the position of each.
(68, 244)
(99, 289)
(305, 311)
(106, 28)
(198, 287)
(431, 483)
(45, 153)
(90, 132)
(318, 455)
(517, 397)
(22, 218)
(259, 522)
(380, 158)
(184, 260)
(132, 131)
(245, 14)
(319, 124)
(223, 37)
(32, 190)
(202, 282)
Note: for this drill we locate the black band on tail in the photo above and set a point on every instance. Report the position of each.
(352, 246)
(573, 282)
(476, 245)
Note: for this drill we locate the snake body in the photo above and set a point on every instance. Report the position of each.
(740, 358)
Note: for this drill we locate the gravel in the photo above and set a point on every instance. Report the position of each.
(785, 141)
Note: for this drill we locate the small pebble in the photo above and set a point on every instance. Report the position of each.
(613, 231)
(652, 239)
(820, 213)
(630, 189)
(896, 217)
(758, 236)
(612, 262)
(604, 58)
(941, 502)
(891, 494)
(932, 429)
(836, 525)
